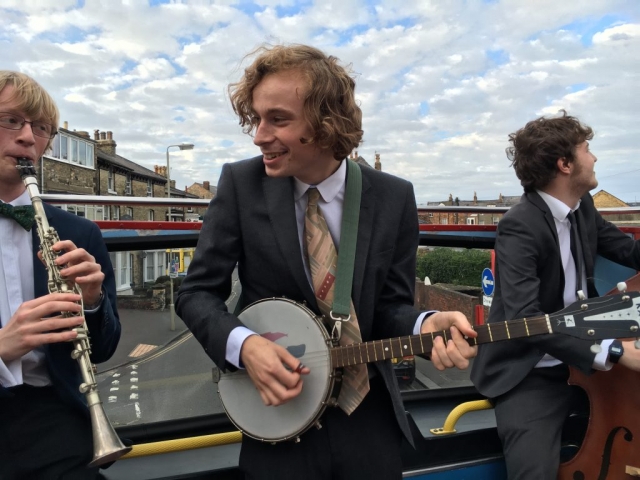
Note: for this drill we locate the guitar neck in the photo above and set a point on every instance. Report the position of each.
(367, 352)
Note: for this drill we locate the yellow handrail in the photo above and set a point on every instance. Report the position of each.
(459, 411)
(181, 444)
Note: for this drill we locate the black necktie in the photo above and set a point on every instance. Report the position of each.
(22, 214)
(576, 250)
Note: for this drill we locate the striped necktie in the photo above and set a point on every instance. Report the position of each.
(323, 259)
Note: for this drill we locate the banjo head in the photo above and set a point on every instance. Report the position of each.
(294, 327)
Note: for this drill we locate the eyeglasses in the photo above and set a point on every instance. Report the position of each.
(15, 122)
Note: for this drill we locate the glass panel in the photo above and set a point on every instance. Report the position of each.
(73, 153)
(89, 155)
(123, 267)
(63, 147)
(56, 147)
(151, 267)
(82, 153)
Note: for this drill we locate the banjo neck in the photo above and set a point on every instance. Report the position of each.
(611, 316)
(377, 350)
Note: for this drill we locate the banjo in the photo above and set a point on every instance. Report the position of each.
(301, 332)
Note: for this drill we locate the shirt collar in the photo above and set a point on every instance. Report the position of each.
(328, 188)
(559, 209)
(23, 199)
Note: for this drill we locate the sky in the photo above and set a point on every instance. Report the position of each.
(441, 83)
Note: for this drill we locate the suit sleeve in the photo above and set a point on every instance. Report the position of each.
(520, 253)
(104, 323)
(395, 315)
(201, 299)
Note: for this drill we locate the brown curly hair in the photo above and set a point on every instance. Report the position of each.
(537, 147)
(329, 105)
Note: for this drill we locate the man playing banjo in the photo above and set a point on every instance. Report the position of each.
(279, 217)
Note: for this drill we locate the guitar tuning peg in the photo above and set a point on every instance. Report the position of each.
(622, 287)
(581, 296)
(595, 348)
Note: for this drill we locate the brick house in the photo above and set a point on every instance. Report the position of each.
(81, 165)
(459, 218)
(603, 199)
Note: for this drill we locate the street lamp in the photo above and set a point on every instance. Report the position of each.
(182, 146)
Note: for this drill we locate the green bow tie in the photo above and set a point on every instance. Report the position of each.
(22, 214)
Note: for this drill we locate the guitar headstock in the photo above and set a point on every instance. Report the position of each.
(599, 318)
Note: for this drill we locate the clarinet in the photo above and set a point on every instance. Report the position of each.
(107, 446)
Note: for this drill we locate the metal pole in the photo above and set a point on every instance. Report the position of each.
(172, 308)
(169, 218)
(168, 176)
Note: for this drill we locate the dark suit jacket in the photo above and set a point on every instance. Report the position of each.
(104, 324)
(251, 221)
(530, 281)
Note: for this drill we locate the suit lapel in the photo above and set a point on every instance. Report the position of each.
(365, 226)
(537, 200)
(278, 193)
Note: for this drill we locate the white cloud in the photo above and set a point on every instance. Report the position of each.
(441, 84)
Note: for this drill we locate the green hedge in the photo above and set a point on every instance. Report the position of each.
(458, 267)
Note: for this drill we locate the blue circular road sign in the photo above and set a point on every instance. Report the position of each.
(488, 283)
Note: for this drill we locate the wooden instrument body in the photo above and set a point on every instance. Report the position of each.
(611, 446)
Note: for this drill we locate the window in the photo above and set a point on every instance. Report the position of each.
(110, 183)
(122, 262)
(154, 265)
(150, 269)
(73, 149)
(129, 211)
(63, 147)
(107, 212)
(116, 212)
(444, 221)
(430, 214)
(471, 221)
(151, 215)
(127, 186)
(149, 190)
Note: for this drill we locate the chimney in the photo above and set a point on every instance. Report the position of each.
(450, 199)
(378, 165)
(500, 199)
(206, 185)
(173, 183)
(83, 134)
(66, 125)
(96, 135)
(106, 143)
(475, 198)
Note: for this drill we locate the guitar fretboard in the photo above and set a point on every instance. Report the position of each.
(377, 350)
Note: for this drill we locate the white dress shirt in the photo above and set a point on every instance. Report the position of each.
(16, 287)
(560, 212)
(331, 201)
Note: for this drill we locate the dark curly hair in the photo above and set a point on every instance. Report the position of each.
(329, 105)
(537, 147)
